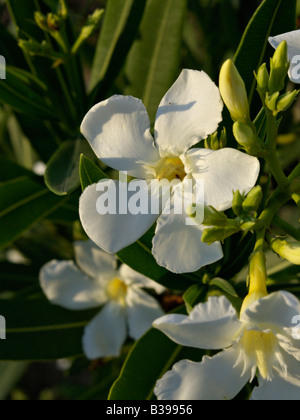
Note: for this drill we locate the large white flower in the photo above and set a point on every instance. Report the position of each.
(96, 281)
(293, 42)
(260, 340)
(118, 130)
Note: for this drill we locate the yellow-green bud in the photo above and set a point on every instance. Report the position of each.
(286, 101)
(271, 101)
(246, 138)
(62, 9)
(262, 78)
(279, 68)
(213, 141)
(233, 91)
(287, 250)
(212, 217)
(216, 234)
(253, 199)
(53, 22)
(237, 203)
(41, 21)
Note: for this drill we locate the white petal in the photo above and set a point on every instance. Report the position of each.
(188, 113)
(93, 261)
(276, 311)
(289, 340)
(66, 286)
(177, 245)
(106, 333)
(212, 325)
(216, 378)
(283, 386)
(112, 232)
(293, 42)
(118, 130)
(223, 171)
(132, 277)
(143, 309)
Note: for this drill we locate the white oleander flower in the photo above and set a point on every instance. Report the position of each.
(118, 130)
(94, 282)
(293, 42)
(261, 340)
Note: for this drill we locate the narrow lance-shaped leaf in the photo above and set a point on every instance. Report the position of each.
(37, 330)
(153, 62)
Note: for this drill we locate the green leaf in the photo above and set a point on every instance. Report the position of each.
(24, 201)
(62, 173)
(153, 62)
(194, 295)
(223, 285)
(10, 374)
(10, 170)
(37, 330)
(120, 25)
(89, 172)
(150, 358)
(23, 17)
(271, 18)
(24, 93)
(14, 277)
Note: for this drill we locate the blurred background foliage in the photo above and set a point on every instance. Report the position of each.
(137, 47)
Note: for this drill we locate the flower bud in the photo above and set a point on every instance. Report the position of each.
(53, 22)
(279, 68)
(286, 101)
(216, 234)
(257, 279)
(271, 101)
(253, 199)
(245, 136)
(233, 91)
(287, 250)
(41, 21)
(213, 141)
(237, 203)
(262, 78)
(213, 217)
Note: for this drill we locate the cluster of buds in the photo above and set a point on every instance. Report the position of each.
(216, 142)
(234, 94)
(269, 85)
(220, 227)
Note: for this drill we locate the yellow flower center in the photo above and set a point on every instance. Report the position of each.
(172, 168)
(116, 290)
(260, 347)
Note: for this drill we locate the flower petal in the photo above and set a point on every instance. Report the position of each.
(276, 311)
(112, 232)
(66, 286)
(283, 386)
(177, 244)
(93, 261)
(106, 333)
(118, 130)
(188, 113)
(223, 171)
(212, 325)
(132, 277)
(143, 309)
(216, 378)
(293, 42)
